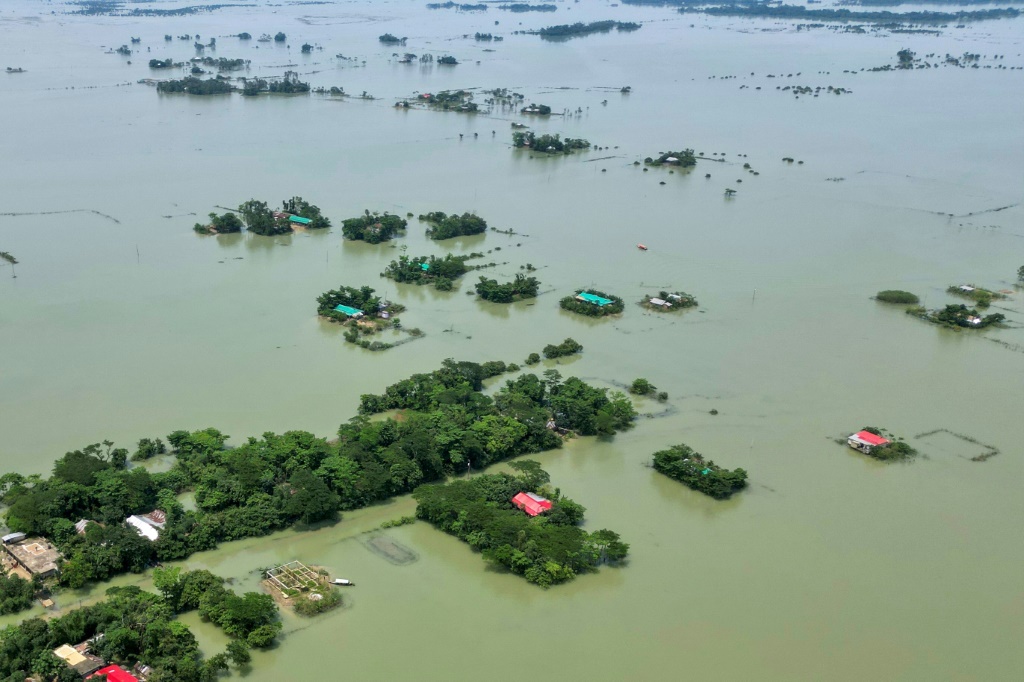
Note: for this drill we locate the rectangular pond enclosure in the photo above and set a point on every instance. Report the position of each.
(593, 298)
(293, 576)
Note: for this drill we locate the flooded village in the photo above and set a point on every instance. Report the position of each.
(225, 224)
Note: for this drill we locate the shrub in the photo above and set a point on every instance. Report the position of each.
(897, 296)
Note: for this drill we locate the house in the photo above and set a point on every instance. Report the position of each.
(966, 288)
(148, 525)
(35, 555)
(82, 525)
(13, 537)
(973, 320)
(531, 503)
(672, 159)
(865, 441)
(299, 220)
(659, 302)
(354, 313)
(278, 215)
(79, 659)
(115, 673)
(592, 298)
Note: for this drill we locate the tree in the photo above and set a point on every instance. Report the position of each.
(1020, 274)
(259, 219)
(309, 498)
(238, 652)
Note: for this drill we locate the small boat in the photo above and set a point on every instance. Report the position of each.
(343, 582)
(641, 247)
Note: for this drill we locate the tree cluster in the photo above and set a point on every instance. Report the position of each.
(389, 39)
(196, 86)
(259, 219)
(580, 29)
(362, 298)
(440, 272)
(549, 144)
(372, 227)
(957, 316)
(520, 288)
(769, 11)
(140, 627)
(444, 226)
(289, 85)
(896, 449)
(575, 305)
(546, 549)
(690, 468)
(561, 350)
(16, 594)
(897, 296)
(302, 208)
(220, 224)
(982, 297)
(683, 159)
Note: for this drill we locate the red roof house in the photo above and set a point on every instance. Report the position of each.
(532, 503)
(115, 674)
(865, 441)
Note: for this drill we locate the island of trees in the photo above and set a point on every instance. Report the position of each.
(389, 39)
(373, 228)
(447, 60)
(645, 388)
(669, 301)
(132, 628)
(546, 549)
(684, 159)
(684, 464)
(982, 297)
(268, 483)
(956, 316)
(440, 272)
(548, 144)
(220, 224)
(522, 287)
(260, 219)
(289, 85)
(526, 7)
(362, 312)
(444, 226)
(536, 109)
(799, 12)
(580, 29)
(463, 7)
(894, 449)
(897, 296)
(592, 303)
(551, 351)
(450, 100)
(191, 85)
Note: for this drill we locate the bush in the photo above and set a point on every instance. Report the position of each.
(690, 468)
(897, 296)
(308, 604)
(532, 359)
(567, 347)
(642, 387)
(372, 228)
(575, 305)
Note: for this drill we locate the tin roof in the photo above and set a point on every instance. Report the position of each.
(870, 438)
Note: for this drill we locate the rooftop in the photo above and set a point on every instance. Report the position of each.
(348, 310)
(115, 674)
(143, 528)
(869, 438)
(35, 554)
(532, 503)
(593, 298)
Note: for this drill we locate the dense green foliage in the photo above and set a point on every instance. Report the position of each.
(280, 37)
(447, 60)
(897, 296)
(225, 64)
(372, 227)
(161, 63)
(451, 100)
(289, 85)
(546, 549)
(362, 298)
(302, 208)
(269, 483)
(561, 350)
(16, 594)
(957, 315)
(196, 86)
(148, 448)
(690, 468)
(679, 300)
(389, 39)
(768, 11)
(140, 626)
(573, 304)
(259, 219)
(462, 7)
(440, 272)
(220, 224)
(982, 297)
(581, 29)
(548, 144)
(443, 226)
(684, 159)
(518, 289)
(526, 7)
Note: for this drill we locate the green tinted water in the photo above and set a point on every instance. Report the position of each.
(830, 566)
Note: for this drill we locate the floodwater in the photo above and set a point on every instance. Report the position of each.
(122, 323)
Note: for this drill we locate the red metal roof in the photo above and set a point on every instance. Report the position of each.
(531, 504)
(115, 674)
(871, 438)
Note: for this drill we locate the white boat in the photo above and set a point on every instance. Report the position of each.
(342, 581)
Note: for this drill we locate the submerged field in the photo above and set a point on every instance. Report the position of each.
(122, 323)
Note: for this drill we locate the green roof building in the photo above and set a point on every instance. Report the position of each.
(593, 298)
(349, 310)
